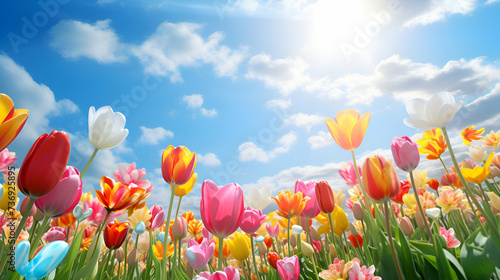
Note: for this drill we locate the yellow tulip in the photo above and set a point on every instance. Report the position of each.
(349, 128)
(9, 197)
(11, 120)
(495, 201)
(339, 219)
(478, 174)
(182, 190)
(240, 246)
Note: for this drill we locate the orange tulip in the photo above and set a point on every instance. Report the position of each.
(432, 143)
(225, 249)
(66, 220)
(11, 120)
(177, 165)
(380, 178)
(470, 134)
(290, 204)
(115, 234)
(492, 139)
(118, 196)
(324, 196)
(349, 128)
(158, 250)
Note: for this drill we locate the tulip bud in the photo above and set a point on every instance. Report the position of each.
(434, 184)
(447, 179)
(314, 234)
(132, 258)
(262, 248)
(54, 234)
(38, 216)
(268, 241)
(24, 205)
(179, 230)
(352, 228)
(405, 153)
(358, 211)
(333, 252)
(406, 226)
(495, 201)
(273, 257)
(307, 249)
(325, 197)
(140, 228)
(420, 220)
(293, 240)
(433, 212)
(296, 229)
(119, 254)
(265, 269)
(494, 172)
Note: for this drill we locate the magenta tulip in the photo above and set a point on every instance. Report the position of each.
(54, 234)
(252, 220)
(157, 217)
(311, 209)
(64, 197)
(348, 173)
(198, 255)
(221, 208)
(289, 268)
(405, 153)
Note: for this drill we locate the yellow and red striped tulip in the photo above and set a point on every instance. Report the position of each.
(380, 178)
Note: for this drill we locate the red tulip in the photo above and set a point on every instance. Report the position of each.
(115, 234)
(434, 184)
(324, 196)
(272, 257)
(44, 165)
(380, 178)
(405, 187)
(356, 241)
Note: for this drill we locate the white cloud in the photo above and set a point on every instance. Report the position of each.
(153, 136)
(176, 45)
(430, 11)
(249, 151)
(304, 120)
(286, 74)
(74, 39)
(193, 101)
(278, 104)
(37, 98)
(209, 159)
(208, 113)
(322, 139)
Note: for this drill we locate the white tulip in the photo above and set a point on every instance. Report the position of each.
(106, 128)
(438, 111)
(296, 229)
(477, 153)
(258, 199)
(433, 212)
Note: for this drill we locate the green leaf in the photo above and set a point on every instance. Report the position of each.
(88, 270)
(405, 256)
(65, 267)
(445, 270)
(475, 262)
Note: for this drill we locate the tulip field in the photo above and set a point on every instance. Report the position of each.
(411, 228)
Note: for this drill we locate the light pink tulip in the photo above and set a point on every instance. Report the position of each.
(133, 175)
(54, 234)
(311, 209)
(157, 217)
(252, 220)
(289, 268)
(99, 212)
(179, 229)
(273, 231)
(362, 273)
(64, 197)
(221, 208)
(229, 273)
(349, 174)
(7, 159)
(405, 153)
(198, 255)
(449, 236)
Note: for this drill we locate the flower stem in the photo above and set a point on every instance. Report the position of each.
(221, 248)
(391, 243)
(360, 183)
(34, 245)
(178, 207)
(89, 162)
(288, 237)
(253, 256)
(426, 222)
(167, 226)
(448, 172)
(331, 227)
(466, 187)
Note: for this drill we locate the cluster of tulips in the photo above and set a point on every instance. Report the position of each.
(419, 228)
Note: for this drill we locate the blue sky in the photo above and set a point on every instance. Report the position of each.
(246, 84)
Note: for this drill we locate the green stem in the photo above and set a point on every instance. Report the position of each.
(466, 187)
(360, 183)
(389, 236)
(426, 223)
(34, 245)
(89, 162)
(485, 198)
(253, 256)
(444, 165)
(178, 207)
(331, 227)
(288, 237)
(221, 249)
(164, 260)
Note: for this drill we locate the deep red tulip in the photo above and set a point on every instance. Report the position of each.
(357, 241)
(434, 184)
(324, 196)
(405, 187)
(115, 234)
(272, 257)
(44, 165)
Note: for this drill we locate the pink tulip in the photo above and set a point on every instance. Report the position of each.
(198, 255)
(221, 208)
(3, 220)
(252, 220)
(349, 174)
(7, 159)
(157, 217)
(362, 273)
(99, 212)
(288, 268)
(132, 175)
(405, 153)
(311, 209)
(179, 229)
(229, 273)
(449, 236)
(54, 234)
(64, 197)
(273, 231)
(24, 205)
